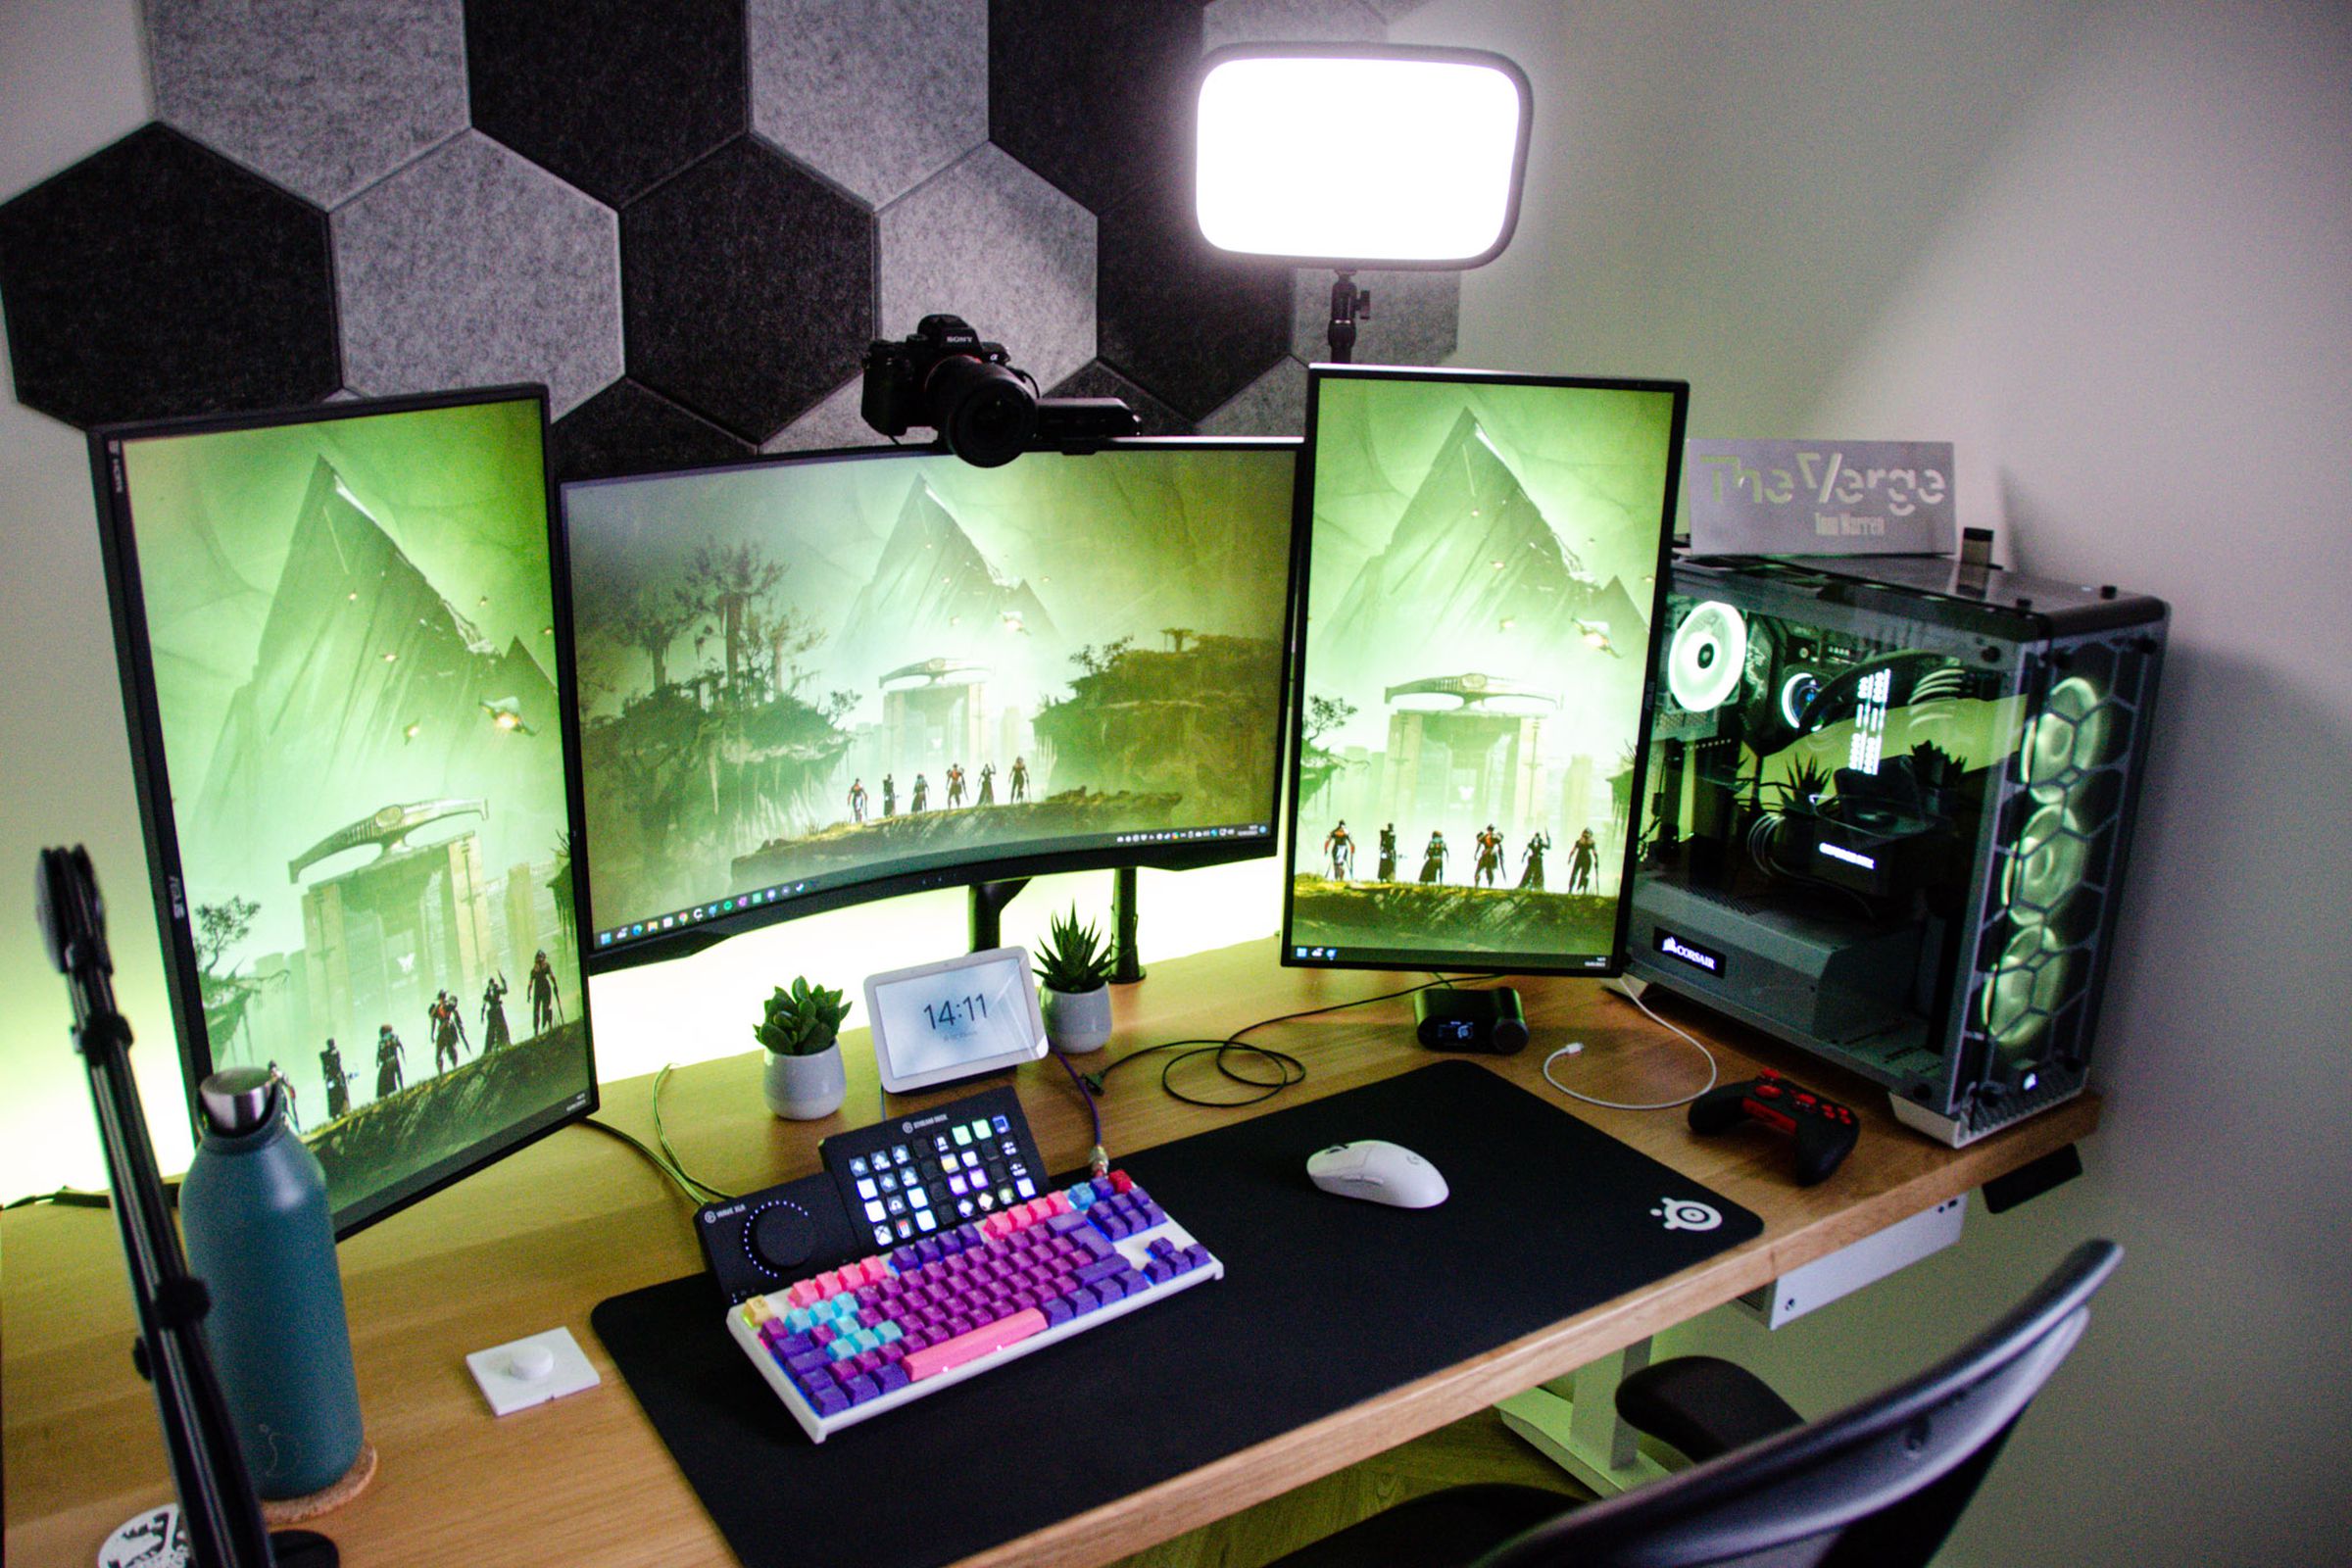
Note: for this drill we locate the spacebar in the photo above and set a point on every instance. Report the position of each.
(948, 1354)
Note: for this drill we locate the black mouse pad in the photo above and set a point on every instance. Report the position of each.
(1326, 1301)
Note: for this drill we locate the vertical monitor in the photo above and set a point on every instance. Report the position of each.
(1483, 559)
(814, 680)
(342, 635)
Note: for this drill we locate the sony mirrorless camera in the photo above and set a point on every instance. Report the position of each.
(985, 410)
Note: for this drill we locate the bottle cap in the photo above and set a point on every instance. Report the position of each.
(238, 1100)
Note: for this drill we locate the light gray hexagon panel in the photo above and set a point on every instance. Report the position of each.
(837, 422)
(993, 243)
(876, 95)
(1414, 317)
(1291, 22)
(1275, 404)
(474, 266)
(324, 96)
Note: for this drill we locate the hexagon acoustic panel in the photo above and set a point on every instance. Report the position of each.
(324, 96)
(875, 95)
(627, 429)
(156, 277)
(473, 267)
(993, 243)
(1190, 323)
(746, 288)
(612, 95)
(1095, 94)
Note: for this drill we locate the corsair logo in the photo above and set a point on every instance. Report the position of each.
(1683, 1214)
(1690, 953)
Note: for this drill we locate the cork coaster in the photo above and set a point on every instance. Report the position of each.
(294, 1511)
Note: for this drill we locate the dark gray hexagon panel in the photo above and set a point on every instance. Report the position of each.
(875, 95)
(324, 96)
(1291, 22)
(613, 95)
(993, 243)
(627, 429)
(474, 266)
(747, 289)
(1093, 93)
(1191, 324)
(1413, 320)
(155, 277)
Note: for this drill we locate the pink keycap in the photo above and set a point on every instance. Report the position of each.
(953, 1353)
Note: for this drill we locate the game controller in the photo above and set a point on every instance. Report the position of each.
(1825, 1131)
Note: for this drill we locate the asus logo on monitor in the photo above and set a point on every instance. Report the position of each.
(1690, 953)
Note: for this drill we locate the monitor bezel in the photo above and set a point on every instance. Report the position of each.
(151, 779)
(1612, 964)
(1015, 867)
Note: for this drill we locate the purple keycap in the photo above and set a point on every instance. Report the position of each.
(891, 1379)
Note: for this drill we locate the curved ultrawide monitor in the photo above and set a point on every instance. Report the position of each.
(1484, 560)
(814, 680)
(342, 633)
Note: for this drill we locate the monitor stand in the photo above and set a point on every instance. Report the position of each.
(988, 920)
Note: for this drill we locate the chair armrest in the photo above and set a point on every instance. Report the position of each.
(1703, 1405)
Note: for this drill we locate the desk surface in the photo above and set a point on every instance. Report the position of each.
(541, 1238)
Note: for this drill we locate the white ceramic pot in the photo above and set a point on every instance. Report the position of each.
(1077, 1021)
(805, 1088)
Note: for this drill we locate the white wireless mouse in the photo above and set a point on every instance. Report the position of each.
(1378, 1172)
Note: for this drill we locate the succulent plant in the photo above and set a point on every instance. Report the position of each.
(802, 1021)
(1075, 958)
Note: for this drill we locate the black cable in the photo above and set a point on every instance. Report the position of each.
(1290, 1068)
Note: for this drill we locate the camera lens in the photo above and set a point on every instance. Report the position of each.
(984, 410)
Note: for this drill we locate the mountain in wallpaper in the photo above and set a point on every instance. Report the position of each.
(934, 595)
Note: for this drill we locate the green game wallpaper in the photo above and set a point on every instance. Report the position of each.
(830, 667)
(353, 646)
(1480, 589)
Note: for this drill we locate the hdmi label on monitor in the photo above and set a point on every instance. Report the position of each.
(1705, 960)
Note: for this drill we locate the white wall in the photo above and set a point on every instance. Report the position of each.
(2108, 251)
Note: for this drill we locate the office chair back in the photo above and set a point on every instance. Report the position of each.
(1879, 1483)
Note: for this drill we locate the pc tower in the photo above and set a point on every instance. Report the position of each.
(1889, 803)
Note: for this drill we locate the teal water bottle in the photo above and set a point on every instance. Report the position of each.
(254, 1209)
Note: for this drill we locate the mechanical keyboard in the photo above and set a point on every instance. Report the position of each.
(850, 1342)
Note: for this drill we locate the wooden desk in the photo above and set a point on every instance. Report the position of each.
(541, 1238)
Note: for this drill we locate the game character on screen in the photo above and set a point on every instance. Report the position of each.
(889, 795)
(1341, 848)
(1583, 859)
(1019, 777)
(495, 1035)
(1433, 858)
(988, 784)
(921, 795)
(1530, 874)
(448, 1029)
(1387, 853)
(856, 799)
(1489, 870)
(545, 1002)
(391, 1060)
(338, 1081)
(955, 783)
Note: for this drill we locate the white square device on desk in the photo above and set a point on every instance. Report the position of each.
(938, 1022)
